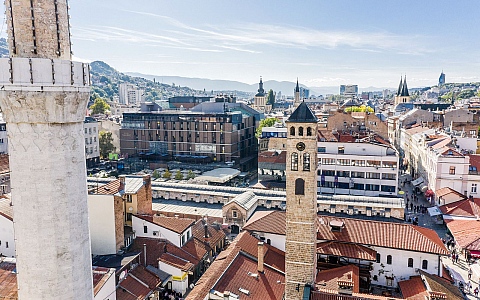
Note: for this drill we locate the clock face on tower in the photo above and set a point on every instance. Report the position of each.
(300, 146)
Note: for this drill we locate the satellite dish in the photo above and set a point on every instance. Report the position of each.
(130, 208)
(123, 274)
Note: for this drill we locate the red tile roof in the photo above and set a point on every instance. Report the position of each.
(449, 195)
(271, 222)
(4, 164)
(465, 208)
(146, 277)
(346, 250)
(268, 285)
(215, 236)
(100, 276)
(6, 209)
(196, 248)
(131, 289)
(272, 256)
(273, 157)
(160, 249)
(465, 232)
(178, 225)
(328, 278)
(413, 289)
(8, 281)
(110, 188)
(475, 161)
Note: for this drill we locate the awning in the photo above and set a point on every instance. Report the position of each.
(417, 181)
(455, 275)
(475, 254)
(434, 211)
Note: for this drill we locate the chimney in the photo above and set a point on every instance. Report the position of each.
(121, 187)
(206, 230)
(260, 257)
(471, 198)
(145, 254)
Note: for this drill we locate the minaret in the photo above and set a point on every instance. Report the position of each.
(43, 96)
(301, 170)
(296, 103)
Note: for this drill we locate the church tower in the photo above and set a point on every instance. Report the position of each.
(296, 103)
(44, 96)
(301, 215)
(402, 95)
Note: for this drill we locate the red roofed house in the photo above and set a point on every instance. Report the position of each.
(176, 230)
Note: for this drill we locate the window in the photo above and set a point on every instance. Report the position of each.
(389, 259)
(86, 131)
(371, 175)
(329, 161)
(343, 173)
(424, 264)
(389, 176)
(322, 149)
(300, 131)
(309, 131)
(299, 186)
(410, 262)
(145, 229)
(451, 171)
(474, 187)
(341, 150)
(343, 162)
(358, 163)
(294, 162)
(6, 244)
(378, 257)
(188, 235)
(292, 131)
(372, 187)
(306, 162)
(183, 240)
(234, 214)
(129, 198)
(388, 188)
(358, 174)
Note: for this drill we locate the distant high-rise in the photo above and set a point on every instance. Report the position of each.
(441, 79)
(44, 97)
(349, 91)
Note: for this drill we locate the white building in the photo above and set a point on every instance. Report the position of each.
(176, 230)
(366, 167)
(130, 94)
(92, 146)
(3, 136)
(7, 241)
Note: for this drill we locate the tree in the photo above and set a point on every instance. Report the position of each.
(156, 174)
(268, 122)
(167, 174)
(100, 106)
(271, 98)
(362, 108)
(190, 174)
(179, 175)
(105, 142)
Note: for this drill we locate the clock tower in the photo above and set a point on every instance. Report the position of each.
(301, 170)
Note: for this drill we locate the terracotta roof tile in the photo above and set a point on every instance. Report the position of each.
(465, 232)
(272, 256)
(272, 222)
(214, 235)
(440, 285)
(6, 209)
(237, 277)
(449, 195)
(8, 281)
(413, 289)
(196, 248)
(328, 278)
(110, 188)
(131, 289)
(273, 157)
(178, 225)
(346, 250)
(383, 234)
(4, 164)
(466, 208)
(146, 277)
(100, 276)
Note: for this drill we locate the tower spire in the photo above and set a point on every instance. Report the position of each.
(297, 88)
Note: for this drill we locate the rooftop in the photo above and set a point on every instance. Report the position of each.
(178, 225)
(302, 114)
(6, 209)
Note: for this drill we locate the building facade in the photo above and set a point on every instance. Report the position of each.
(92, 146)
(209, 132)
(130, 94)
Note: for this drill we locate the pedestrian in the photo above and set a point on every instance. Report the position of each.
(453, 258)
(411, 206)
(475, 291)
(470, 272)
(456, 258)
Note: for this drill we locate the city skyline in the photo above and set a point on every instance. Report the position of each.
(370, 43)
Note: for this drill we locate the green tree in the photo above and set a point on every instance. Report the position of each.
(105, 142)
(100, 106)
(179, 175)
(268, 122)
(156, 174)
(271, 98)
(190, 174)
(362, 108)
(167, 174)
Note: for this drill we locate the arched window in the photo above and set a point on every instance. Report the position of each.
(299, 186)
(378, 257)
(300, 131)
(306, 162)
(389, 259)
(424, 264)
(292, 131)
(294, 162)
(309, 131)
(410, 262)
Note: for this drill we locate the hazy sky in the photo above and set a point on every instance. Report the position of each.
(324, 43)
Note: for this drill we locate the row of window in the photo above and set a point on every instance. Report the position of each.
(89, 130)
(354, 174)
(300, 131)
(91, 141)
(358, 162)
(409, 263)
(306, 162)
(356, 186)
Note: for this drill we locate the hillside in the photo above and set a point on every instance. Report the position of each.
(105, 82)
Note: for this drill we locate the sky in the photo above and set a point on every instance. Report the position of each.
(323, 43)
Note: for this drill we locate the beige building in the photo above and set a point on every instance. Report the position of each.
(260, 100)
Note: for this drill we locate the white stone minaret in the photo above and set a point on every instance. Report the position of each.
(43, 95)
